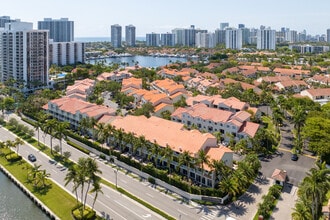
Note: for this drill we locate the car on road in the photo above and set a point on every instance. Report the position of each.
(32, 158)
(294, 157)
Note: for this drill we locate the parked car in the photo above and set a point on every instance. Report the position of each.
(32, 158)
(294, 157)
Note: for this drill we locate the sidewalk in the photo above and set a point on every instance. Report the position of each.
(286, 203)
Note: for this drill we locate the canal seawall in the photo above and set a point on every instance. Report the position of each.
(33, 198)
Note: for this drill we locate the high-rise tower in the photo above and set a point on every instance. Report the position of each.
(116, 35)
(24, 56)
(60, 30)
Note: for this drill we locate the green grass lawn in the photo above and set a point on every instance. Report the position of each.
(55, 198)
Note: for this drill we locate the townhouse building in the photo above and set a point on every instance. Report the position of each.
(81, 89)
(117, 76)
(73, 110)
(216, 120)
(190, 140)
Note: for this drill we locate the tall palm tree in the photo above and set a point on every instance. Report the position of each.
(314, 187)
(101, 133)
(302, 210)
(83, 126)
(185, 159)
(72, 176)
(143, 144)
(96, 189)
(91, 170)
(49, 129)
(18, 141)
(60, 132)
(39, 123)
(167, 155)
(154, 152)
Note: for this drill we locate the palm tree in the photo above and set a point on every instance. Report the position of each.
(314, 187)
(154, 152)
(96, 189)
(33, 172)
(230, 186)
(100, 132)
(83, 125)
(220, 169)
(302, 210)
(167, 155)
(202, 158)
(60, 132)
(91, 170)
(185, 159)
(143, 144)
(49, 128)
(18, 141)
(72, 176)
(42, 176)
(39, 123)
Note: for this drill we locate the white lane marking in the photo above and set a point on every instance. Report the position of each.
(128, 209)
(54, 170)
(124, 181)
(182, 212)
(150, 195)
(111, 209)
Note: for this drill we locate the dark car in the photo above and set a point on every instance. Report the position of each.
(294, 157)
(32, 158)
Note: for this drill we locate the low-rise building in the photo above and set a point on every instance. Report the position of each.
(212, 120)
(291, 85)
(117, 76)
(172, 134)
(320, 95)
(81, 89)
(72, 110)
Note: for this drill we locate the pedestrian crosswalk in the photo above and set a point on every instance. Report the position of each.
(209, 215)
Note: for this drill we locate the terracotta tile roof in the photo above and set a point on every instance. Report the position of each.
(249, 128)
(274, 79)
(293, 83)
(161, 106)
(106, 119)
(165, 133)
(217, 153)
(231, 102)
(132, 82)
(242, 116)
(202, 111)
(279, 175)
(319, 92)
(73, 105)
(284, 71)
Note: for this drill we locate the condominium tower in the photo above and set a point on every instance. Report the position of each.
(116, 35)
(233, 38)
(24, 56)
(130, 35)
(153, 40)
(266, 39)
(60, 30)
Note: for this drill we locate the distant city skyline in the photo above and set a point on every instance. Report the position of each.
(94, 19)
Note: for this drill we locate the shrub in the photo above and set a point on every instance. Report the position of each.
(13, 157)
(151, 180)
(88, 213)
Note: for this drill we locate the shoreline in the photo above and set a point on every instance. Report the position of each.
(29, 194)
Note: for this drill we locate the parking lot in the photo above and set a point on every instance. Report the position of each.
(296, 170)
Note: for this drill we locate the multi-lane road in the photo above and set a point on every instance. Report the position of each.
(111, 202)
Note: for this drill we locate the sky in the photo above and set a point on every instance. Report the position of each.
(93, 18)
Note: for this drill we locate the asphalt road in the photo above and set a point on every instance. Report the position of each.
(142, 189)
(110, 203)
